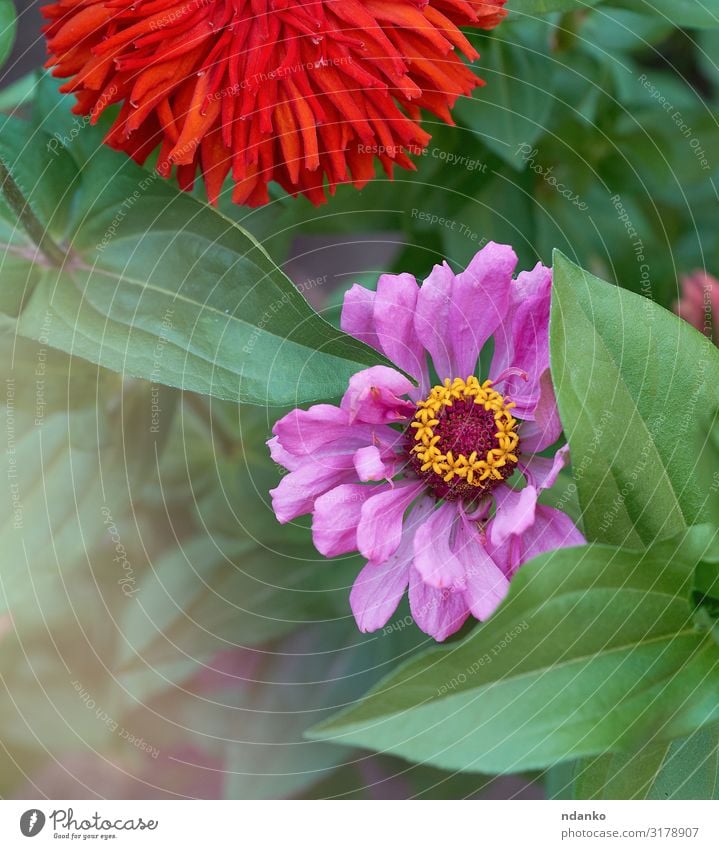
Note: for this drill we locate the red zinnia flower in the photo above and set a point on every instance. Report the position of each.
(286, 90)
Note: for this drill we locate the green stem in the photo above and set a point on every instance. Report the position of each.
(32, 224)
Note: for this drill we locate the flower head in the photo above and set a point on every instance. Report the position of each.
(423, 480)
(699, 303)
(296, 91)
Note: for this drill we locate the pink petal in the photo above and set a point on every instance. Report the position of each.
(544, 431)
(297, 491)
(377, 591)
(486, 583)
(380, 586)
(508, 555)
(385, 320)
(542, 472)
(336, 516)
(552, 529)
(516, 508)
(371, 466)
(522, 341)
(457, 314)
(380, 529)
(279, 455)
(301, 432)
(322, 431)
(432, 319)
(438, 613)
(374, 394)
(394, 308)
(699, 291)
(515, 512)
(486, 590)
(433, 557)
(712, 286)
(358, 315)
(480, 299)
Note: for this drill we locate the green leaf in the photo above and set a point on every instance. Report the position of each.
(213, 593)
(704, 595)
(161, 286)
(631, 381)
(67, 463)
(707, 447)
(702, 14)
(707, 55)
(8, 29)
(44, 172)
(593, 651)
(513, 109)
(18, 92)
(686, 768)
(624, 30)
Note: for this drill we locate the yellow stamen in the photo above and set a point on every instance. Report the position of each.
(474, 470)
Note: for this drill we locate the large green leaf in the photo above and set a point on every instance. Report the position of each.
(704, 594)
(67, 466)
(633, 382)
(594, 651)
(161, 286)
(8, 28)
(686, 768)
(707, 447)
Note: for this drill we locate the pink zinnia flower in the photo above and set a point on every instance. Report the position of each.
(699, 303)
(416, 478)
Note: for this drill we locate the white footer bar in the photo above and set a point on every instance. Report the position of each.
(345, 825)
